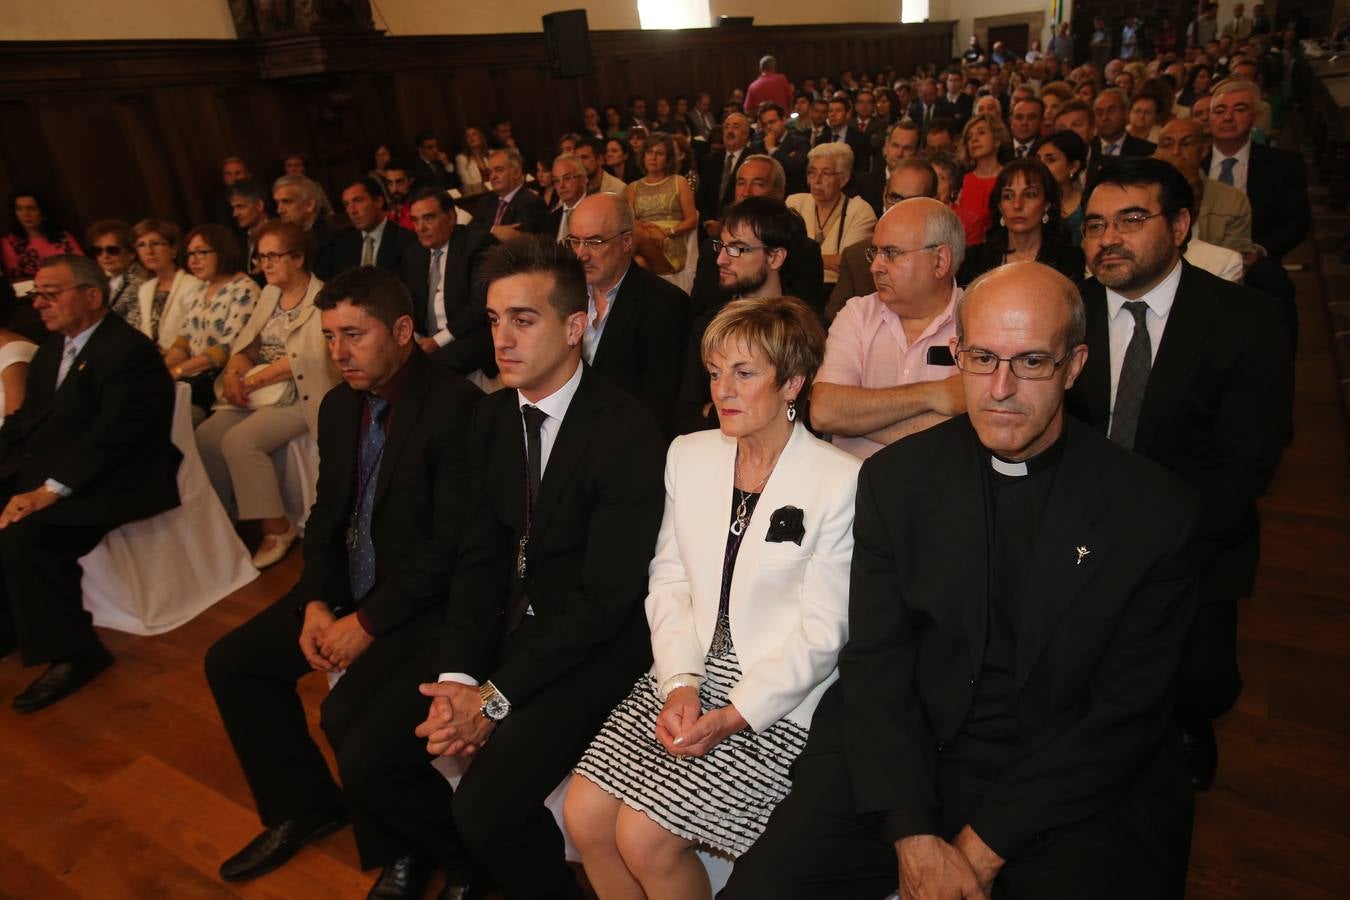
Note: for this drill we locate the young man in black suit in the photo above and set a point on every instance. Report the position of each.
(442, 276)
(380, 551)
(510, 208)
(840, 126)
(373, 240)
(546, 630)
(1209, 397)
(88, 451)
(1109, 112)
(1019, 601)
(637, 323)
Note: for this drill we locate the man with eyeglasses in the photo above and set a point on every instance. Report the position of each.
(637, 323)
(1020, 595)
(88, 451)
(1224, 216)
(571, 179)
(1192, 372)
(887, 371)
(908, 178)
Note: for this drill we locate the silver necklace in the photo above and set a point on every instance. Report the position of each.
(742, 509)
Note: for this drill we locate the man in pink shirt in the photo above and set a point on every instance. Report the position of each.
(771, 85)
(888, 370)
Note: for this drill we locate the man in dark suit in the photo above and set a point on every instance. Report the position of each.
(1209, 397)
(373, 240)
(1109, 112)
(88, 451)
(924, 109)
(840, 127)
(546, 630)
(1025, 125)
(717, 172)
(510, 208)
(1020, 595)
(871, 127)
(300, 201)
(637, 323)
(1274, 182)
(955, 104)
(902, 142)
(442, 276)
(788, 146)
(431, 166)
(381, 546)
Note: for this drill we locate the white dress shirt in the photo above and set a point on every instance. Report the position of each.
(442, 333)
(1121, 323)
(1243, 157)
(595, 323)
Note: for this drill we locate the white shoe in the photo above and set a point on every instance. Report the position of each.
(274, 547)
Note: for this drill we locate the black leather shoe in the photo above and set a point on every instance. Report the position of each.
(1202, 753)
(62, 679)
(405, 877)
(275, 846)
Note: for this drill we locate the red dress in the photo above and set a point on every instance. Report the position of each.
(974, 200)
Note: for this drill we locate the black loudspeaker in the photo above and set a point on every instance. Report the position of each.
(568, 38)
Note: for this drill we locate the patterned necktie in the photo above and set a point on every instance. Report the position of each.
(1226, 170)
(501, 211)
(726, 174)
(368, 251)
(360, 546)
(433, 284)
(1134, 369)
(67, 360)
(563, 228)
(1112, 149)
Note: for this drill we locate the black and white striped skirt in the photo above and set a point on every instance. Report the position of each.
(720, 800)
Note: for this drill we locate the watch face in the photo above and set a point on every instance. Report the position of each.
(496, 708)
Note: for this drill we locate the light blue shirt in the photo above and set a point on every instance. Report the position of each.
(595, 323)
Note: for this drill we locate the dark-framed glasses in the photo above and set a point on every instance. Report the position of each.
(107, 250)
(1026, 366)
(1125, 223)
(590, 243)
(199, 254)
(50, 296)
(735, 250)
(262, 258)
(893, 253)
(151, 245)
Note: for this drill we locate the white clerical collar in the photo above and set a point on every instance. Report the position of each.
(1003, 467)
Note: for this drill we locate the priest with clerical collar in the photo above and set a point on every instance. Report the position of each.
(1020, 595)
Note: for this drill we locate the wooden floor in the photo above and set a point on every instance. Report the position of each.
(130, 789)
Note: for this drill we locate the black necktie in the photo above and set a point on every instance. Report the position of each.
(1134, 369)
(534, 420)
(726, 174)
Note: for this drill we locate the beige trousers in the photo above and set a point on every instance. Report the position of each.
(236, 447)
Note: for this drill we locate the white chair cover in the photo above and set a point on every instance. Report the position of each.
(150, 576)
(297, 466)
(684, 279)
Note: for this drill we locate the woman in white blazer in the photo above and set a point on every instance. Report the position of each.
(270, 389)
(162, 299)
(748, 609)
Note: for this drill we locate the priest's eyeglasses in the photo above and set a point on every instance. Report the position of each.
(1026, 366)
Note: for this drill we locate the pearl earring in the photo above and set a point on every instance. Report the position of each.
(1045, 218)
(1001, 222)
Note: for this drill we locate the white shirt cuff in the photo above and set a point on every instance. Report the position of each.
(57, 487)
(459, 677)
(443, 337)
(674, 682)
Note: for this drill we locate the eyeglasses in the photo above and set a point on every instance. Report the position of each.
(735, 250)
(893, 198)
(1125, 223)
(594, 243)
(264, 258)
(50, 296)
(107, 250)
(198, 254)
(1026, 366)
(151, 245)
(817, 174)
(893, 253)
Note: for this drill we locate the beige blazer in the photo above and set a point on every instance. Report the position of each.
(1224, 217)
(311, 367)
(175, 311)
(789, 603)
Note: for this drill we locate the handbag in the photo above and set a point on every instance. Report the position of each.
(280, 394)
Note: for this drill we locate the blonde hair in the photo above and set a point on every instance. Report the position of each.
(783, 329)
(996, 128)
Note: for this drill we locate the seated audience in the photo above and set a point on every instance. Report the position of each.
(214, 312)
(248, 206)
(995, 738)
(1224, 215)
(1110, 111)
(372, 240)
(431, 165)
(570, 176)
(1025, 126)
(636, 323)
(16, 352)
(788, 146)
(381, 156)
(34, 234)
(269, 391)
(113, 246)
(887, 373)
(472, 164)
(902, 142)
(1025, 207)
(699, 752)
(949, 177)
(74, 465)
(1064, 153)
(663, 209)
(304, 203)
(717, 172)
(162, 298)
(544, 630)
(941, 136)
(834, 220)
(509, 209)
(591, 152)
(982, 141)
(380, 548)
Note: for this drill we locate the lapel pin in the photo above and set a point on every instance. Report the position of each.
(80, 367)
(1083, 553)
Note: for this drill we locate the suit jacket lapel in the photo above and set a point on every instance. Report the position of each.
(1187, 324)
(1067, 553)
(961, 519)
(405, 417)
(622, 314)
(1096, 375)
(569, 449)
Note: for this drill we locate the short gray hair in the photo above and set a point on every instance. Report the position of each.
(778, 178)
(839, 154)
(573, 160)
(513, 156)
(309, 189)
(943, 227)
(84, 270)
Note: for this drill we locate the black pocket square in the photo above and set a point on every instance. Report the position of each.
(786, 525)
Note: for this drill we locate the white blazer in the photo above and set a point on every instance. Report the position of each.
(175, 311)
(788, 603)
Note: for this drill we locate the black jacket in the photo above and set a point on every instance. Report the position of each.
(463, 296)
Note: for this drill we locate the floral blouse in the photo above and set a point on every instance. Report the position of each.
(214, 318)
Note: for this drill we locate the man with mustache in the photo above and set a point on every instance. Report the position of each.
(1192, 372)
(1020, 593)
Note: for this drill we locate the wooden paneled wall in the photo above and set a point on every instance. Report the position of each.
(130, 129)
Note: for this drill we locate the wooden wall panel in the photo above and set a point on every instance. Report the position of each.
(136, 128)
